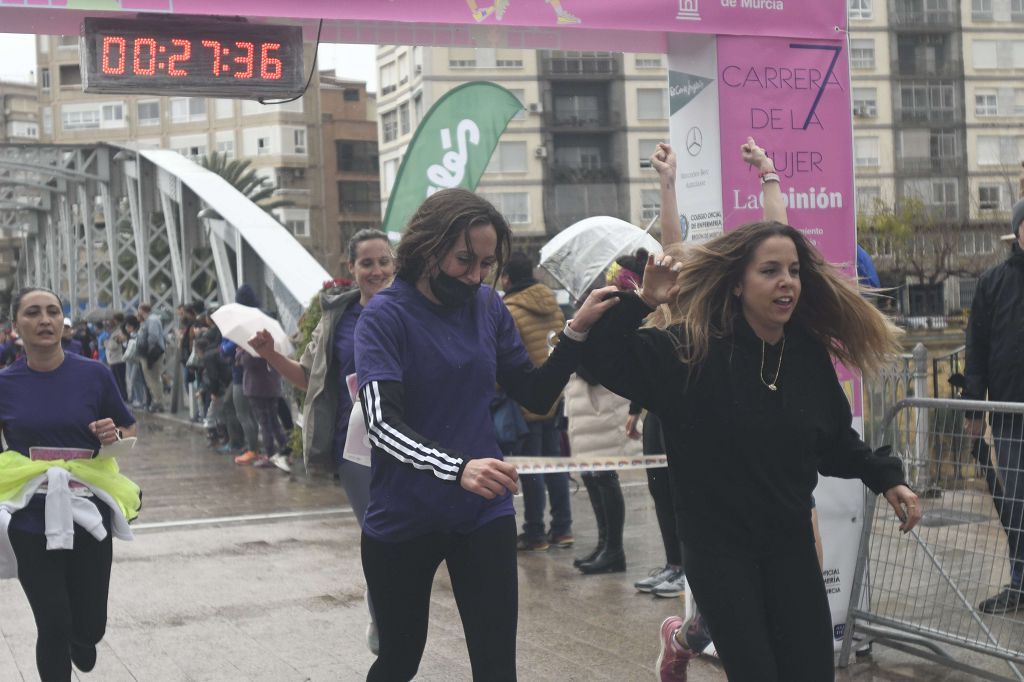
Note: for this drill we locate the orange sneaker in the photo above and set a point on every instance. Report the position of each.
(245, 457)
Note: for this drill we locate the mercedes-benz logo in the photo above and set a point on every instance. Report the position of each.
(694, 141)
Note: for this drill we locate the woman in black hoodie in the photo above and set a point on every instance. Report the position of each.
(751, 409)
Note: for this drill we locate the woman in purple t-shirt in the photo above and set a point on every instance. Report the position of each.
(429, 351)
(53, 399)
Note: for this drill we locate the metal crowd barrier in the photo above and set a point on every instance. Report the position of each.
(920, 593)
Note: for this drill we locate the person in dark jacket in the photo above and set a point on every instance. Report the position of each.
(995, 369)
(215, 380)
(536, 314)
(741, 376)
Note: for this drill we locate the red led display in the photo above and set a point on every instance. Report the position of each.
(220, 58)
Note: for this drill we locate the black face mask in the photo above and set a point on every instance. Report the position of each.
(452, 292)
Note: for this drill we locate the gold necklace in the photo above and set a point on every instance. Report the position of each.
(778, 370)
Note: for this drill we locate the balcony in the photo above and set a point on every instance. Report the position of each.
(582, 121)
(950, 68)
(945, 165)
(580, 67)
(356, 206)
(572, 175)
(922, 115)
(910, 19)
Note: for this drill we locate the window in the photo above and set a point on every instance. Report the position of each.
(578, 110)
(579, 156)
(520, 95)
(389, 125)
(358, 197)
(351, 95)
(194, 152)
(148, 112)
(226, 148)
(651, 103)
(983, 53)
(650, 61)
(868, 199)
(44, 79)
(860, 9)
(48, 120)
(986, 103)
(866, 152)
(80, 119)
(262, 146)
(508, 157)
(357, 156)
(403, 69)
(113, 114)
(70, 74)
(919, 102)
(981, 10)
(515, 206)
(865, 102)
(1017, 10)
(403, 118)
(645, 148)
(461, 58)
(990, 197)
(390, 172)
(299, 140)
(1018, 102)
(225, 108)
(388, 81)
(417, 60)
(650, 204)
(295, 220)
(186, 109)
(996, 150)
(67, 41)
(862, 53)
(417, 107)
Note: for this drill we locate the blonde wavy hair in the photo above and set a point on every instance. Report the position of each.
(831, 306)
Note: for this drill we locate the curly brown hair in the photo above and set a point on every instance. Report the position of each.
(439, 222)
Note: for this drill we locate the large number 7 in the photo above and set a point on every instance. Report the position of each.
(270, 67)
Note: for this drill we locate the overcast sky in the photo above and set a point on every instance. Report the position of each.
(18, 59)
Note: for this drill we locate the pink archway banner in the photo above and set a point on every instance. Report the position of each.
(792, 18)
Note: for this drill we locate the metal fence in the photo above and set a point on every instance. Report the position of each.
(923, 593)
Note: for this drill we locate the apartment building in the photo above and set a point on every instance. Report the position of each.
(19, 112)
(351, 165)
(577, 149)
(938, 107)
(285, 142)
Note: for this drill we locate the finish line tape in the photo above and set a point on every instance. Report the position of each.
(560, 465)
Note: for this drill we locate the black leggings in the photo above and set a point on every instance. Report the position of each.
(482, 567)
(67, 590)
(768, 614)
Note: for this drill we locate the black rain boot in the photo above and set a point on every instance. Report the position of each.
(594, 493)
(611, 559)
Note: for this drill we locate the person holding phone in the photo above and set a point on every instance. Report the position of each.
(53, 399)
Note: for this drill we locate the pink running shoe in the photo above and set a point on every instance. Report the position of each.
(673, 659)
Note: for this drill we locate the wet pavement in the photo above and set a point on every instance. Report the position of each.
(250, 574)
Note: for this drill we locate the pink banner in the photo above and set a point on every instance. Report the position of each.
(793, 97)
(797, 18)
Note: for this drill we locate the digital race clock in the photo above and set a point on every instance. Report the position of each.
(203, 57)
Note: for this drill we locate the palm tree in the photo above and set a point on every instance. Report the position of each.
(244, 178)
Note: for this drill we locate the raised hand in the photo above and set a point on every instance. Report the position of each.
(664, 161)
(263, 344)
(756, 157)
(660, 280)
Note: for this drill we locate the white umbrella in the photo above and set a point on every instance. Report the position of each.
(577, 255)
(240, 323)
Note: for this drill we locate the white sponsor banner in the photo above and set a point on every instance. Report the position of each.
(694, 133)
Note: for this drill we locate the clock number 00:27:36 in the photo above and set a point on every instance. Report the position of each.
(144, 58)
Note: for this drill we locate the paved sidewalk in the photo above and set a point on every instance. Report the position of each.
(281, 600)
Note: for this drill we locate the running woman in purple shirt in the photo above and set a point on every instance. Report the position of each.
(429, 351)
(51, 398)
